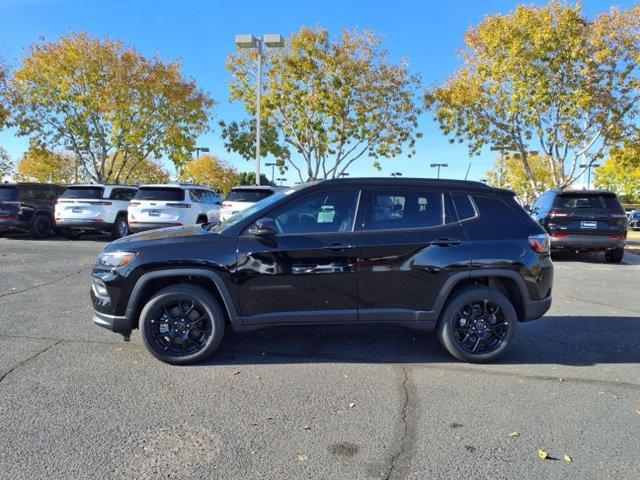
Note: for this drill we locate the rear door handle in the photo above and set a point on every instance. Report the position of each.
(338, 247)
(445, 242)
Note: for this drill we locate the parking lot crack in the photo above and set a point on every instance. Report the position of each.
(27, 360)
(39, 285)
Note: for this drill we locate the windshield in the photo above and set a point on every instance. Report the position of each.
(159, 193)
(8, 193)
(585, 200)
(82, 192)
(239, 216)
(246, 195)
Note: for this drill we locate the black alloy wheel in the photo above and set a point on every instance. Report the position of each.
(40, 227)
(480, 326)
(121, 227)
(182, 324)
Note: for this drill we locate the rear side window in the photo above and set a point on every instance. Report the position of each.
(407, 209)
(159, 193)
(82, 192)
(464, 206)
(585, 200)
(8, 194)
(248, 195)
(125, 194)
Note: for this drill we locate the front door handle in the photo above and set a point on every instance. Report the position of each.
(338, 247)
(445, 242)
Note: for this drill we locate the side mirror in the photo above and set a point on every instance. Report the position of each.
(265, 227)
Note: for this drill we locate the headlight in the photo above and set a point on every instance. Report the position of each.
(115, 259)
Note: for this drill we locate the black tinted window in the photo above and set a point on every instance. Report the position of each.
(248, 195)
(496, 211)
(319, 212)
(8, 193)
(159, 193)
(196, 195)
(82, 192)
(403, 209)
(464, 206)
(585, 200)
(125, 194)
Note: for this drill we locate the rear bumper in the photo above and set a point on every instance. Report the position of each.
(84, 224)
(142, 226)
(587, 242)
(115, 323)
(534, 309)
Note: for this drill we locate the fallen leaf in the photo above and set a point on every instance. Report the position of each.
(269, 418)
(567, 458)
(306, 427)
(638, 411)
(512, 434)
(542, 454)
(236, 372)
(616, 397)
(253, 424)
(351, 405)
(302, 457)
(560, 380)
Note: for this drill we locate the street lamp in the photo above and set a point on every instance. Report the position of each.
(273, 170)
(281, 179)
(344, 174)
(272, 40)
(484, 180)
(589, 166)
(201, 149)
(396, 174)
(443, 165)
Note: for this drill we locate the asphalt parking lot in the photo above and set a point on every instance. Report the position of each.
(344, 403)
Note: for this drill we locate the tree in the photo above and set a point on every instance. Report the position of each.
(331, 102)
(99, 99)
(545, 78)
(4, 94)
(6, 165)
(621, 172)
(146, 171)
(249, 178)
(508, 172)
(212, 171)
(40, 164)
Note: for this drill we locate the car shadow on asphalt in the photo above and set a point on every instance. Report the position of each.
(95, 237)
(565, 340)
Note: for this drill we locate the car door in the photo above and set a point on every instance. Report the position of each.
(212, 205)
(412, 243)
(307, 271)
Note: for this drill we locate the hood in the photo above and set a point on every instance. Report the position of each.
(162, 235)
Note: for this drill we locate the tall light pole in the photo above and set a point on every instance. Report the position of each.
(344, 174)
(273, 170)
(201, 149)
(589, 166)
(272, 40)
(281, 179)
(443, 165)
(396, 174)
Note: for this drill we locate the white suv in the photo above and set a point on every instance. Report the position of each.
(95, 208)
(171, 205)
(243, 196)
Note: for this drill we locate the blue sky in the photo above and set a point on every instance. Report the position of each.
(201, 34)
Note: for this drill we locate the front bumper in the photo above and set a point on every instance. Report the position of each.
(83, 224)
(142, 226)
(114, 323)
(589, 242)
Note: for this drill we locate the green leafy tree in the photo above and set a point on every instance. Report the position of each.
(330, 102)
(40, 164)
(6, 165)
(545, 78)
(621, 172)
(212, 171)
(107, 104)
(508, 172)
(4, 95)
(249, 178)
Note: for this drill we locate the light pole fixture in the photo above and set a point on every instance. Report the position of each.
(439, 165)
(396, 174)
(281, 179)
(344, 174)
(272, 40)
(589, 166)
(484, 180)
(273, 170)
(201, 149)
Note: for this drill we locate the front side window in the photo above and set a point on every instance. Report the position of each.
(407, 209)
(319, 213)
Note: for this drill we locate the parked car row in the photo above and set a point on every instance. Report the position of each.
(116, 209)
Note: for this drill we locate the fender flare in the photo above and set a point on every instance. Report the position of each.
(454, 279)
(138, 289)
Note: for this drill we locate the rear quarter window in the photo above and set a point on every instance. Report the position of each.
(464, 206)
(499, 219)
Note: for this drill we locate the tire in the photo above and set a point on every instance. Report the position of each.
(166, 312)
(451, 325)
(614, 256)
(201, 219)
(70, 233)
(40, 227)
(120, 227)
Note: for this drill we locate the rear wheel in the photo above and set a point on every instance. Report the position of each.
(614, 256)
(182, 324)
(477, 325)
(70, 233)
(201, 219)
(120, 227)
(40, 227)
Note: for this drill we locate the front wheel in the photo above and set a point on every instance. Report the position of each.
(478, 325)
(182, 324)
(40, 227)
(614, 256)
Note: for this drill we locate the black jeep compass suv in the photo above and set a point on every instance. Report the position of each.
(28, 207)
(458, 257)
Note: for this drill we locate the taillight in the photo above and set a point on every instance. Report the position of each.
(540, 243)
(558, 213)
(179, 205)
(559, 235)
